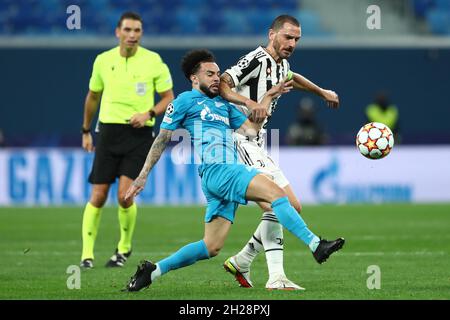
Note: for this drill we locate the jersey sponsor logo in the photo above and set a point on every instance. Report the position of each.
(167, 120)
(207, 115)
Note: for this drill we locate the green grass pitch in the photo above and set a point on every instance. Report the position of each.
(409, 243)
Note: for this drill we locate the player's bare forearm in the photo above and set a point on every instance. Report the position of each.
(156, 151)
(249, 129)
(226, 84)
(266, 101)
(166, 98)
(90, 107)
(153, 156)
(302, 83)
(331, 97)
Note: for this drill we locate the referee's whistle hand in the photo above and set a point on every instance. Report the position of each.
(138, 120)
(87, 143)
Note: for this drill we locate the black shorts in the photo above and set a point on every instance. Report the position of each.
(120, 150)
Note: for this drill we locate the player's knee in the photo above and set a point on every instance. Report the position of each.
(124, 203)
(265, 206)
(98, 198)
(277, 193)
(213, 248)
(214, 251)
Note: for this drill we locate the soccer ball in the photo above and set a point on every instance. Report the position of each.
(375, 140)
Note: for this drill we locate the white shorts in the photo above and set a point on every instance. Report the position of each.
(251, 154)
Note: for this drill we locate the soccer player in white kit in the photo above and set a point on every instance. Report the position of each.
(245, 84)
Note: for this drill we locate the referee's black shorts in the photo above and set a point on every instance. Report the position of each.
(120, 150)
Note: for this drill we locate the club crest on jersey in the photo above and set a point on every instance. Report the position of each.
(207, 115)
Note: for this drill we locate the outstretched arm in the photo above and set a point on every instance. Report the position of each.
(153, 156)
(302, 83)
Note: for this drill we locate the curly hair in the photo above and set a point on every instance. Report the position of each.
(192, 60)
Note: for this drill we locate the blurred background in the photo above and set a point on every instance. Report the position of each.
(46, 67)
(404, 66)
(393, 212)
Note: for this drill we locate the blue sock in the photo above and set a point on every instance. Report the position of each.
(186, 256)
(291, 220)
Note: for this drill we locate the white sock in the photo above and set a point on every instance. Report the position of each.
(254, 246)
(272, 239)
(314, 243)
(156, 273)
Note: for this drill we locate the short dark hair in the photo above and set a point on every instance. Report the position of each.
(192, 60)
(279, 21)
(129, 15)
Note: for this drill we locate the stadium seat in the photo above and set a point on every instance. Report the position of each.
(160, 17)
(213, 24)
(260, 21)
(187, 21)
(235, 22)
(439, 22)
(442, 5)
(310, 22)
(421, 7)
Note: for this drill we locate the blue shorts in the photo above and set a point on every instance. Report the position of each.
(225, 186)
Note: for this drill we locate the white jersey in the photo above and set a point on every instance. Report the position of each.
(253, 75)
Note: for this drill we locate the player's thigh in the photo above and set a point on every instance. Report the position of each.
(261, 188)
(216, 232)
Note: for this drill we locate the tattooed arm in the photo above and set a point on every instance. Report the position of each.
(153, 156)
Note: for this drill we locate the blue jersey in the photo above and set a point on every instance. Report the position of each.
(210, 123)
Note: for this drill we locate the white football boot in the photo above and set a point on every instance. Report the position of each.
(281, 282)
(241, 275)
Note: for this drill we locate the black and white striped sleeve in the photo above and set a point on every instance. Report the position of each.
(245, 69)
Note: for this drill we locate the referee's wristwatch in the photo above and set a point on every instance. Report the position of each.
(152, 114)
(84, 131)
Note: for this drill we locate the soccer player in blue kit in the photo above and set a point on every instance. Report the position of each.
(226, 183)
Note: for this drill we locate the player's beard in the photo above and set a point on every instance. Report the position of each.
(282, 54)
(208, 92)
